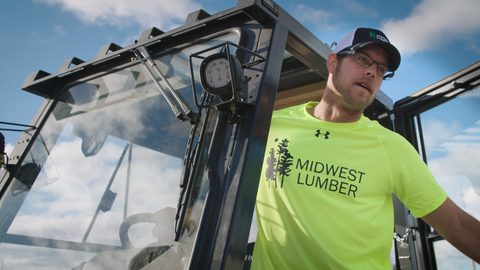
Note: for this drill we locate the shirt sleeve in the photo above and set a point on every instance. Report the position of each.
(413, 183)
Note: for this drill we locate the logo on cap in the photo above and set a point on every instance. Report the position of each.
(377, 36)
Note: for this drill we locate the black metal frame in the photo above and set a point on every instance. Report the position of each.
(407, 123)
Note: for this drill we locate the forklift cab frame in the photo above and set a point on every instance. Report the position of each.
(133, 165)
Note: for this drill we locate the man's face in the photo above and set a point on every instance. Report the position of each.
(357, 86)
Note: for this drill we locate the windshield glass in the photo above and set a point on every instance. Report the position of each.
(451, 132)
(100, 185)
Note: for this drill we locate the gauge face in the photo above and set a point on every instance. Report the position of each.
(217, 73)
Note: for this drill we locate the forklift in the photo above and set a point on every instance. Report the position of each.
(148, 156)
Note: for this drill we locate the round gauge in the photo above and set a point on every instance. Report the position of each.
(217, 73)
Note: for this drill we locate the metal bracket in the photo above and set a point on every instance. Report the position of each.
(181, 111)
(235, 105)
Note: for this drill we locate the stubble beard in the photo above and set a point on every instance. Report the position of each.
(349, 101)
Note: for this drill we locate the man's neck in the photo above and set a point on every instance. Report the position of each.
(331, 112)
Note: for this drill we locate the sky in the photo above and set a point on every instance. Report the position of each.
(435, 37)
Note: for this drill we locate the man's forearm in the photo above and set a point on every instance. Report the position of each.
(457, 227)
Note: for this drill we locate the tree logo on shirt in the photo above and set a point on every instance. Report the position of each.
(278, 163)
(319, 132)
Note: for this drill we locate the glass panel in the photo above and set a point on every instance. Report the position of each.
(448, 257)
(452, 146)
(100, 185)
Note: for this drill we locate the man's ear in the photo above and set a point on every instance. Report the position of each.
(332, 61)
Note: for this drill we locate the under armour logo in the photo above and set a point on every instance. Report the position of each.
(324, 134)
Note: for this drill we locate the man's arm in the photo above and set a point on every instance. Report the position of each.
(457, 227)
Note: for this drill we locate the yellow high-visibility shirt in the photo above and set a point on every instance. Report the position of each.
(325, 194)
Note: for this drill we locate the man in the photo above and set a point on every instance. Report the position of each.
(324, 199)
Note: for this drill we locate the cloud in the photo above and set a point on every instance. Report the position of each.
(317, 17)
(9, 148)
(328, 20)
(448, 257)
(435, 23)
(63, 209)
(148, 13)
(457, 170)
(355, 8)
(40, 39)
(59, 29)
(437, 133)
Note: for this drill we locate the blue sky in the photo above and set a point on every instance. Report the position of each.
(436, 37)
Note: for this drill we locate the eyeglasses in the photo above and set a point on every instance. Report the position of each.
(366, 61)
